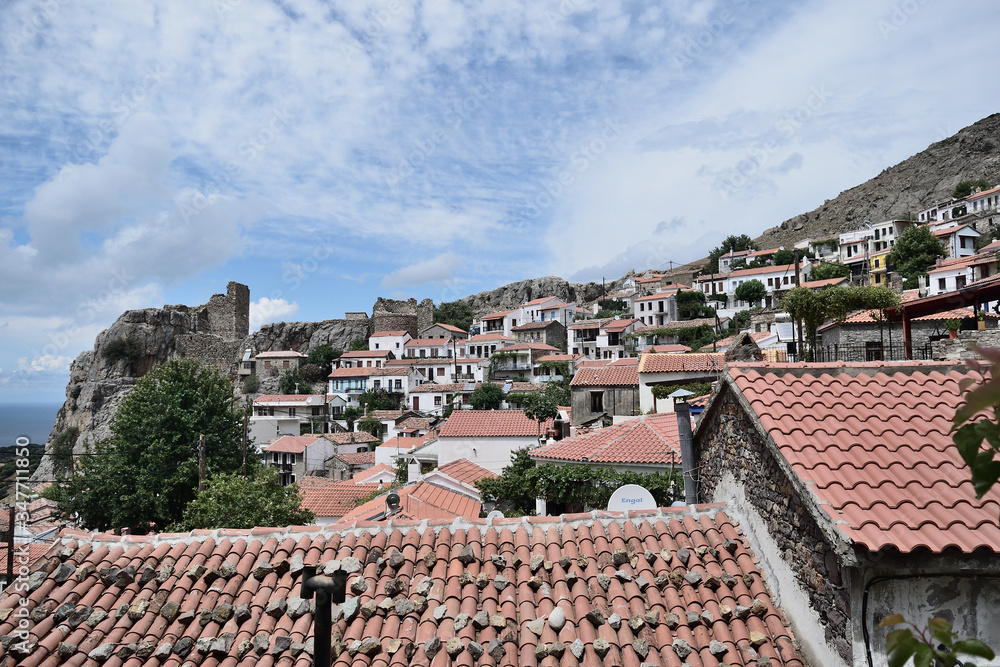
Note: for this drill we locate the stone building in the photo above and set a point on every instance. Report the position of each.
(396, 315)
(849, 487)
(600, 394)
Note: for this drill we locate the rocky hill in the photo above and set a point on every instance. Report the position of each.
(514, 294)
(903, 190)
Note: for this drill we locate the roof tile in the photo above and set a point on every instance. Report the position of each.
(490, 424)
(648, 439)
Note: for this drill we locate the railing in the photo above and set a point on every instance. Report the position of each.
(459, 377)
(512, 367)
(585, 339)
(859, 353)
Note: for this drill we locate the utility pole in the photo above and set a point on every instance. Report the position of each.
(246, 420)
(201, 462)
(10, 546)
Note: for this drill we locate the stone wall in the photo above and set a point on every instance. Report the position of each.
(395, 315)
(948, 349)
(891, 335)
(730, 442)
(618, 401)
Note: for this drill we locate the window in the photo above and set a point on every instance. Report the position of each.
(962, 240)
(437, 400)
(959, 282)
(876, 263)
(942, 284)
(440, 372)
(284, 364)
(376, 384)
(597, 401)
(376, 346)
(876, 234)
(315, 411)
(786, 280)
(770, 282)
(267, 363)
(399, 384)
(423, 353)
(291, 412)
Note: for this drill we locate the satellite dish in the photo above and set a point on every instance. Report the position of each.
(392, 502)
(495, 514)
(631, 497)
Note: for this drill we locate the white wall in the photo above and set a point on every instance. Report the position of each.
(491, 453)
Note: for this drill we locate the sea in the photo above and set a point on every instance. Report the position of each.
(34, 420)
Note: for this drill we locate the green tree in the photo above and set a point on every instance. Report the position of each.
(691, 305)
(371, 425)
(293, 382)
(230, 500)
(540, 406)
(62, 451)
(313, 373)
(323, 355)
(814, 308)
(827, 270)
(144, 476)
(731, 242)
(935, 644)
(965, 188)
(377, 399)
(250, 384)
(456, 313)
(359, 345)
(752, 291)
(783, 257)
(915, 251)
(487, 396)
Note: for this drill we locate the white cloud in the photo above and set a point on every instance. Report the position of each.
(264, 311)
(46, 362)
(437, 269)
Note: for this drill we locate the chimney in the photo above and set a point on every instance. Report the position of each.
(689, 466)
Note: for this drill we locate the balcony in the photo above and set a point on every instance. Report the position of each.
(511, 366)
(464, 377)
(585, 338)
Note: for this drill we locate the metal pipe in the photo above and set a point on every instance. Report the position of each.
(689, 467)
(327, 590)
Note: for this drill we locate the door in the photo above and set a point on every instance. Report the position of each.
(416, 402)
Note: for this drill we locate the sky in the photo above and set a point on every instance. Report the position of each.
(327, 153)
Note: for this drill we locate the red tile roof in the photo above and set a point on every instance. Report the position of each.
(817, 284)
(450, 327)
(609, 376)
(421, 423)
(278, 354)
(557, 357)
(235, 575)
(958, 314)
(490, 424)
(351, 372)
(682, 363)
(429, 342)
(524, 347)
(352, 437)
(497, 316)
(335, 499)
(420, 501)
(625, 361)
(465, 471)
(539, 300)
(366, 354)
(784, 268)
(358, 458)
(291, 443)
(873, 443)
(487, 337)
(620, 325)
(399, 442)
(645, 440)
(668, 348)
(680, 324)
(591, 324)
(532, 326)
(379, 334)
(433, 388)
(948, 231)
(368, 473)
(391, 371)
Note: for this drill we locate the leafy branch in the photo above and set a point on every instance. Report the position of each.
(969, 435)
(935, 644)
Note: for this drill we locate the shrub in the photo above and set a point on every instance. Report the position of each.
(127, 349)
(251, 384)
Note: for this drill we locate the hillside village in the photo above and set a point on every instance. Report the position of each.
(817, 487)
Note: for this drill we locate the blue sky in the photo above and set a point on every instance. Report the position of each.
(329, 153)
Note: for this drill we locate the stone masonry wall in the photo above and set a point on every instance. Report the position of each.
(947, 349)
(396, 315)
(731, 442)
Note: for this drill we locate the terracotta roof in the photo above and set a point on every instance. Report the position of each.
(432, 388)
(873, 443)
(665, 293)
(648, 439)
(214, 571)
(351, 372)
(523, 387)
(539, 300)
(420, 501)
(523, 347)
(421, 423)
(379, 334)
(668, 348)
(291, 443)
(531, 326)
(278, 354)
(489, 336)
(394, 371)
(680, 324)
(33, 550)
(465, 471)
(625, 361)
(620, 325)
(335, 499)
(556, 357)
(490, 424)
(756, 336)
(387, 414)
(609, 376)
(429, 342)
(963, 262)
(497, 316)
(366, 354)
(353, 437)
(995, 245)
(984, 193)
(558, 306)
(398, 442)
(817, 284)
(368, 473)
(358, 458)
(958, 314)
(449, 327)
(948, 231)
(682, 363)
(591, 324)
(784, 268)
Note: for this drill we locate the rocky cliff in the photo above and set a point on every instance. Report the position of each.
(513, 295)
(898, 192)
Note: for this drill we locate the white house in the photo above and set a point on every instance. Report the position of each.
(392, 341)
(484, 344)
(959, 240)
(672, 369)
(363, 359)
(487, 437)
(275, 415)
(351, 382)
(987, 200)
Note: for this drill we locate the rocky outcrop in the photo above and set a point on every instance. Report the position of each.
(513, 295)
(304, 337)
(901, 191)
(131, 347)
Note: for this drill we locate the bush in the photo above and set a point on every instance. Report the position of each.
(251, 384)
(292, 382)
(313, 372)
(62, 450)
(324, 355)
(122, 349)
